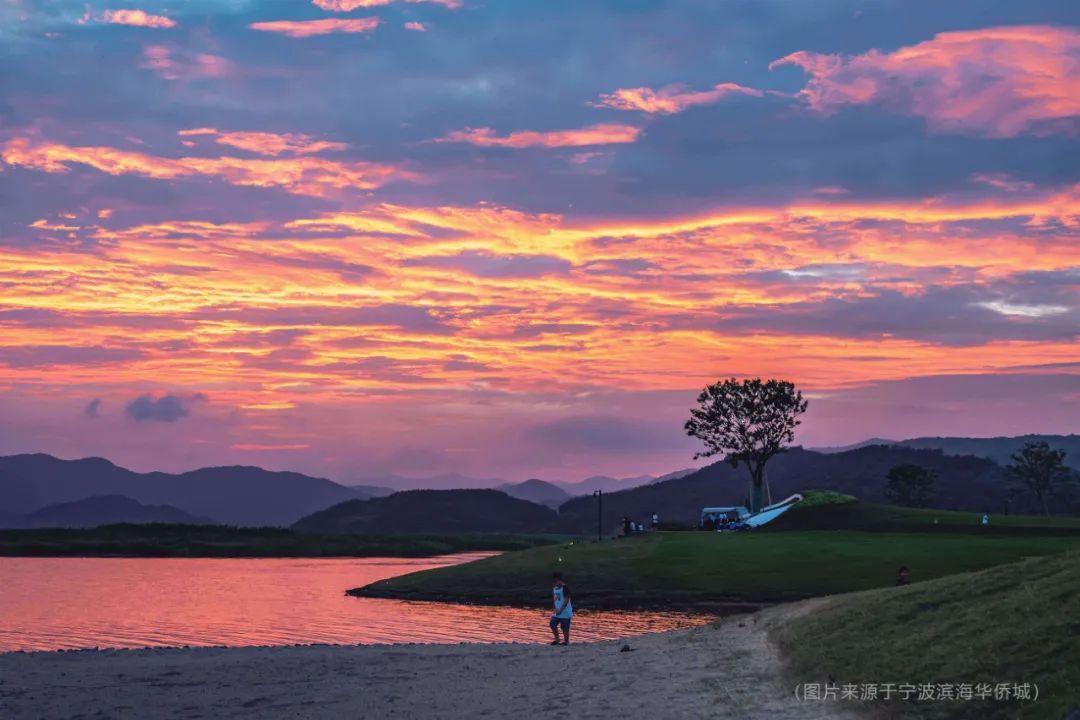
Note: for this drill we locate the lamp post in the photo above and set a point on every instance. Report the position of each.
(599, 495)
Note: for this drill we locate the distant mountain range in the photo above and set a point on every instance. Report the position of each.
(48, 491)
(231, 495)
(434, 512)
(555, 494)
(445, 481)
(377, 486)
(998, 449)
(104, 510)
(537, 491)
(963, 482)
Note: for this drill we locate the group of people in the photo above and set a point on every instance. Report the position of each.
(630, 527)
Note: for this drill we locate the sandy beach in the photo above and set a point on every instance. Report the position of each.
(721, 671)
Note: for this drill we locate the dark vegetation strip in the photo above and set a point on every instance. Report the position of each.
(166, 540)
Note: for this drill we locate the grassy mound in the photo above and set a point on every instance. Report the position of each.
(1014, 623)
(818, 498)
(688, 569)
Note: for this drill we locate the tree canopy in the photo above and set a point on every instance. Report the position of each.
(1041, 470)
(747, 421)
(909, 485)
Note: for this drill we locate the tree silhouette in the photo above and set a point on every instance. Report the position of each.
(749, 422)
(1040, 469)
(909, 485)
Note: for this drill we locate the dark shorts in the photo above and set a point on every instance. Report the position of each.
(564, 623)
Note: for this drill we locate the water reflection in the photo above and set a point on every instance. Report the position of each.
(65, 603)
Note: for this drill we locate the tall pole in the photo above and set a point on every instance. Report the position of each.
(599, 515)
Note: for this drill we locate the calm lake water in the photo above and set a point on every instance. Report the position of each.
(64, 603)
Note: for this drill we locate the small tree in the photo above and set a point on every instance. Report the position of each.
(909, 485)
(1040, 469)
(749, 422)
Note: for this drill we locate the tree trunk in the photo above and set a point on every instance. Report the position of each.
(1042, 501)
(756, 489)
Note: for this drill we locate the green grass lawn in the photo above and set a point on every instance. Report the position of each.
(688, 568)
(1013, 623)
(167, 540)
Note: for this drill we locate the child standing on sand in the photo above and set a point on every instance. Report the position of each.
(563, 609)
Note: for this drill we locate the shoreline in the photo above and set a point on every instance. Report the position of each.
(722, 607)
(728, 668)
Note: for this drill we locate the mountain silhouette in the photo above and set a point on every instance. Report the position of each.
(537, 491)
(433, 512)
(232, 495)
(107, 510)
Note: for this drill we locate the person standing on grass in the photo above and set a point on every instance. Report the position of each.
(563, 609)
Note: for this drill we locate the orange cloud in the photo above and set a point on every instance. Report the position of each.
(299, 175)
(670, 99)
(267, 143)
(309, 28)
(996, 82)
(349, 5)
(339, 308)
(138, 18)
(600, 134)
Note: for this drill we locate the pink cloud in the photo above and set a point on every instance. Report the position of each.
(308, 28)
(995, 82)
(416, 26)
(600, 134)
(670, 99)
(138, 18)
(349, 5)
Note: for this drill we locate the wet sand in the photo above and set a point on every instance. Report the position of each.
(729, 670)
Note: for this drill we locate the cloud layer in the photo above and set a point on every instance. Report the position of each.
(998, 82)
(540, 230)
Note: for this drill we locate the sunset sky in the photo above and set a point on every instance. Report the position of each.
(514, 238)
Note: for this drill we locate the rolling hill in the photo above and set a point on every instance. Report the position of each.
(234, 495)
(537, 491)
(964, 482)
(433, 512)
(107, 510)
(997, 449)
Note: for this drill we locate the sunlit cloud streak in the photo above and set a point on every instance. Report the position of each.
(266, 143)
(310, 28)
(350, 5)
(137, 18)
(998, 82)
(599, 134)
(300, 175)
(670, 99)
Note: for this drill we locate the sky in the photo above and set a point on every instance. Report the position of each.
(513, 239)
